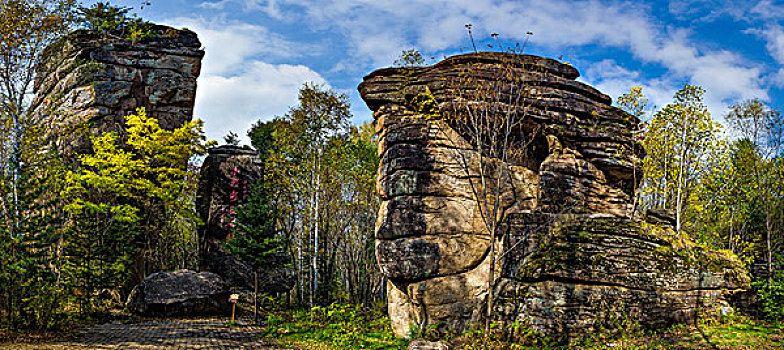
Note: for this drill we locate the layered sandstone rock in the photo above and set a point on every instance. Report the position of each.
(90, 80)
(100, 77)
(227, 177)
(570, 256)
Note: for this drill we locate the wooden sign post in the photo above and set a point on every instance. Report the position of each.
(233, 299)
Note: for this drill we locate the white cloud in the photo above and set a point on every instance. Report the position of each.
(228, 44)
(774, 36)
(767, 9)
(236, 88)
(377, 31)
(219, 5)
(261, 92)
(611, 78)
(778, 78)
(270, 7)
(614, 80)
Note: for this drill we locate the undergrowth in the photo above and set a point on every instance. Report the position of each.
(337, 326)
(340, 326)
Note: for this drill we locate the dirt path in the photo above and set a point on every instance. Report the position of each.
(205, 333)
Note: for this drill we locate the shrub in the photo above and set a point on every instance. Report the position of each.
(771, 297)
(108, 18)
(341, 326)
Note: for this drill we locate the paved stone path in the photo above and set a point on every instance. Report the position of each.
(207, 333)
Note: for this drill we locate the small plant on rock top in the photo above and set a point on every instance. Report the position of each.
(409, 58)
(105, 17)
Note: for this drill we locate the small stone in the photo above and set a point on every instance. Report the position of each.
(426, 345)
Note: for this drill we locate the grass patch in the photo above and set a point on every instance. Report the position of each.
(738, 333)
(337, 326)
(351, 327)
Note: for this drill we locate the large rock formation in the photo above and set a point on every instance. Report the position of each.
(93, 79)
(179, 293)
(227, 177)
(569, 258)
(100, 77)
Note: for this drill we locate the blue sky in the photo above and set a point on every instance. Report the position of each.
(259, 52)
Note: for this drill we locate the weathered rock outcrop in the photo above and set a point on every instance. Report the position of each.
(569, 258)
(179, 293)
(93, 79)
(227, 177)
(100, 77)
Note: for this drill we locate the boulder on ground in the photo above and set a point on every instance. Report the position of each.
(179, 293)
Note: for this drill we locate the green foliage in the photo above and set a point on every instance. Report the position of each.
(128, 195)
(254, 238)
(409, 58)
(426, 105)
(231, 139)
(731, 332)
(319, 176)
(680, 140)
(342, 326)
(103, 16)
(634, 102)
(513, 336)
(31, 286)
(771, 296)
(108, 18)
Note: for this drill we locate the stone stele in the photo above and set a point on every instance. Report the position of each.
(570, 255)
(226, 180)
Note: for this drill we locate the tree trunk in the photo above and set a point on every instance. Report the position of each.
(316, 231)
(255, 296)
(300, 272)
(490, 282)
(769, 228)
(681, 181)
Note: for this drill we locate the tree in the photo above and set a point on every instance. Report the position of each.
(678, 139)
(106, 18)
(742, 197)
(255, 238)
(296, 164)
(323, 187)
(231, 139)
(319, 115)
(635, 103)
(409, 58)
(27, 28)
(131, 200)
(356, 167)
(762, 128)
